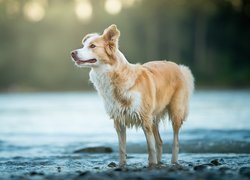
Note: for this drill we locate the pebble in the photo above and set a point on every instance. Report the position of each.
(112, 164)
(98, 149)
(34, 173)
(84, 173)
(118, 169)
(217, 162)
(202, 167)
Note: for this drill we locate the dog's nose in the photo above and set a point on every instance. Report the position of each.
(73, 54)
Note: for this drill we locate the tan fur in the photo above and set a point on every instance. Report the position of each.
(140, 95)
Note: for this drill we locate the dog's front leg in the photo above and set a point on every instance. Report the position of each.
(148, 131)
(121, 132)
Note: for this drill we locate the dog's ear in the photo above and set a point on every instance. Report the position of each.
(111, 33)
(111, 36)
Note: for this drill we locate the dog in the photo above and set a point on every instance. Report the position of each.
(136, 95)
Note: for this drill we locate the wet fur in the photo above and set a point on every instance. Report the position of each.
(139, 95)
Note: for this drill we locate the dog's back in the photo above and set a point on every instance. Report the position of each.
(174, 85)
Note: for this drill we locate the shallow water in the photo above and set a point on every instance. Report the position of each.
(51, 124)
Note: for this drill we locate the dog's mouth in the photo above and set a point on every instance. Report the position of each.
(78, 61)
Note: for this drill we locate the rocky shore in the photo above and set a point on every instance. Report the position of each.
(104, 166)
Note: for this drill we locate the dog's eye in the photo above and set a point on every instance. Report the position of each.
(92, 46)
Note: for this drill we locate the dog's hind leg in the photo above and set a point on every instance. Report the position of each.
(121, 132)
(175, 146)
(158, 142)
(177, 111)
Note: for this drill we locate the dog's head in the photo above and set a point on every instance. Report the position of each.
(98, 49)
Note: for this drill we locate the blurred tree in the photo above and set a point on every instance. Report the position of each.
(210, 36)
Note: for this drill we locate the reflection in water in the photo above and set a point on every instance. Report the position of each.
(70, 112)
(57, 122)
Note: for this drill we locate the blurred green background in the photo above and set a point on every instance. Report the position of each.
(210, 36)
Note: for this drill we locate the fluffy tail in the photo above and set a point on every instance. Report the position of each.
(189, 78)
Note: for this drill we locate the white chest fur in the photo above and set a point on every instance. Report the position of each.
(129, 116)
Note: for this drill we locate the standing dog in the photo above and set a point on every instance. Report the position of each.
(136, 95)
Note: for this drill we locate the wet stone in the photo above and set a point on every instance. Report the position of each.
(118, 169)
(34, 173)
(245, 171)
(217, 162)
(84, 173)
(18, 177)
(99, 149)
(112, 164)
(202, 167)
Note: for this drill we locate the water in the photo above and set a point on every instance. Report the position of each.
(51, 124)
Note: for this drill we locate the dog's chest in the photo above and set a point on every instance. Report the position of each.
(129, 113)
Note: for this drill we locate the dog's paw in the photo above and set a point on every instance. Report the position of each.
(175, 163)
(153, 166)
(160, 163)
(122, 164)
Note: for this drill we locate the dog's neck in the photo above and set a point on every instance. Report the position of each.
(121, 58)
